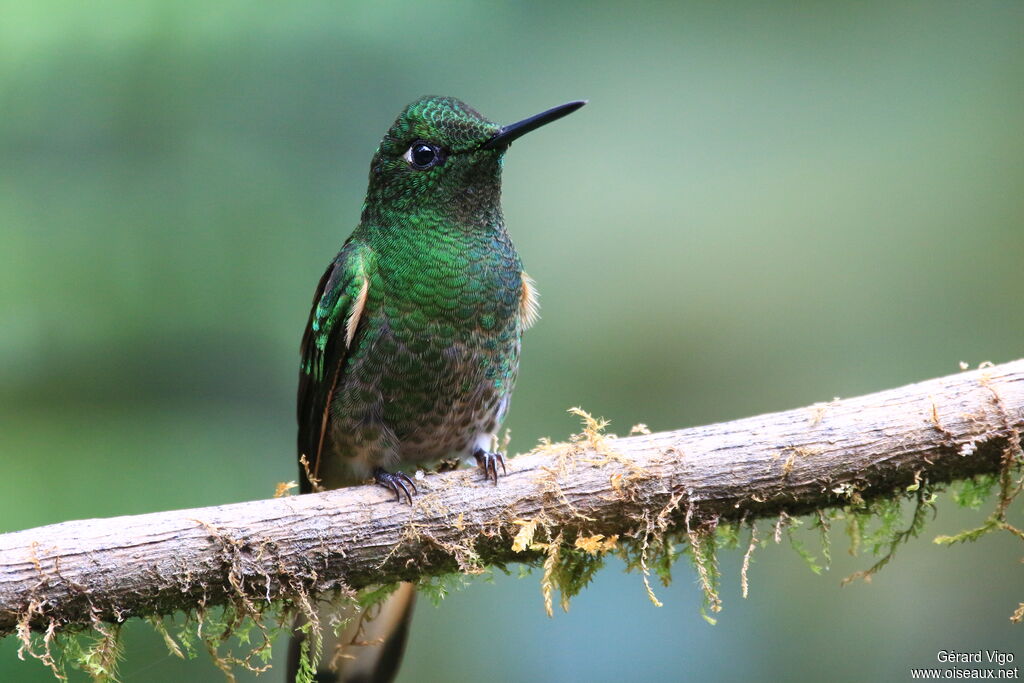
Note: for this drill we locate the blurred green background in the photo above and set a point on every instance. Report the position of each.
(764, 205)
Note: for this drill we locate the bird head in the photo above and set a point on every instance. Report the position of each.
(442, 157)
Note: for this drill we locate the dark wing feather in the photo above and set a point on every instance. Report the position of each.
(324, 351)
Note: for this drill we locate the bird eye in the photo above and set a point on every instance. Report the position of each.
(423, 155)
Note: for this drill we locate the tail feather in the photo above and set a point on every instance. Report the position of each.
(368, 650)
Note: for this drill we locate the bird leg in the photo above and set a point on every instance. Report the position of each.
(398, 482)
(488, 462)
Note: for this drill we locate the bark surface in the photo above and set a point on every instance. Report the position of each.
(72, 573)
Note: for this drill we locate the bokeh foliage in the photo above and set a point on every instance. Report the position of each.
(764, 205)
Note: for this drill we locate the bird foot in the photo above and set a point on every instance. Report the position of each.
(398, 482)
(488, 462)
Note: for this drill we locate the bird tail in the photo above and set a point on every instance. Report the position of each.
(367, 650)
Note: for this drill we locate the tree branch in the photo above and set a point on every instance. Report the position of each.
(71, 574)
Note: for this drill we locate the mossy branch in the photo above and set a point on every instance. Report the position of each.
(587, 492)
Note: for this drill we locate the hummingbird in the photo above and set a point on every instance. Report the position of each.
(412, 346)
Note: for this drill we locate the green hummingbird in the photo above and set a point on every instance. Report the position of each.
(412, 346)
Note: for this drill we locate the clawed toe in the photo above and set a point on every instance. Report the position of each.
(399, 482)
(488, 462)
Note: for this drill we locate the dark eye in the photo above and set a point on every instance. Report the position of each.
(423, 155)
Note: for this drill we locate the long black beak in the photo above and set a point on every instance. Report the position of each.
(512, 131)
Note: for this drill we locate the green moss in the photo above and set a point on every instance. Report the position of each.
(879, 526)
(823, 524)
(574, 572)
(972, 493)
(369, 597)
(240, 634)
(437, 588)
(96, 655)
(703, 551)
(797, 545)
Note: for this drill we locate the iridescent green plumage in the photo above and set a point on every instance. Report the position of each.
(413, 342)
(412, 345)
